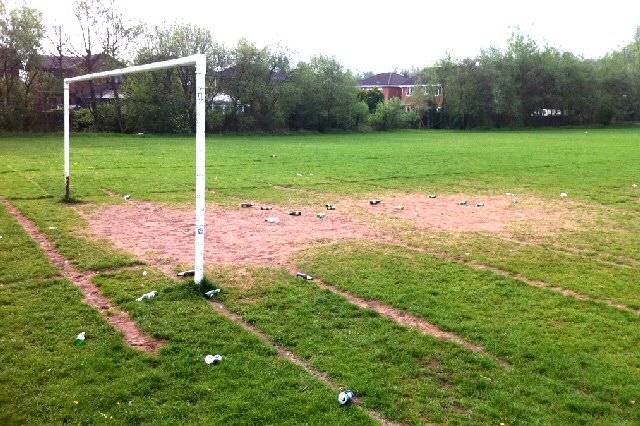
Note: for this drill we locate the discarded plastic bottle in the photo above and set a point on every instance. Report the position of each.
(213, 359)
(212, 293)
(330, 206)
(375, 202)
(295, 213)
(80, 338)
(304, 276)
(149, 295)
(345, 397)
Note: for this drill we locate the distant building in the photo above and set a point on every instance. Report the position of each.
(79, 93)
(394, 85)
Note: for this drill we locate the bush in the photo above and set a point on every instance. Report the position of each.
(360, 114)
(82, 119)
(410, 120)
(387, 115)
(215, 120)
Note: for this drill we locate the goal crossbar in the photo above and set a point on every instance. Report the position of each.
(200, 63)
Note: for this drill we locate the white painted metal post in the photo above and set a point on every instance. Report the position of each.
(201, 69)
(67, 180)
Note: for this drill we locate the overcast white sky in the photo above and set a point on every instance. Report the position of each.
(386, 35)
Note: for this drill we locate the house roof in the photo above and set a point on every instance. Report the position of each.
(50, 62)
(388, 79)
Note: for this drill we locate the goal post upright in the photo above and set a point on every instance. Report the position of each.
(200, 63)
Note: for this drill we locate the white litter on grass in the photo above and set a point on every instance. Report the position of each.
(149, 295)
(564, 195)
(212, 293)
(330, 206)
(212, 359)
(398, 207)
(462, 202)
(509, 194)
(432, 195)
(144, 273)
(345, 397)
(298, 174)
(53, 227)
(272, 219)
(140, 133)
(634, 185)
(80, 338)
(320, 215)
(0, 237)
(304, 276)
(480, 205)
(126, 197)
(375, 202)
(188, 273)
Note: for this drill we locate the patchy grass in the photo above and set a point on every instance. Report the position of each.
(105, 381)
(572, 361)
(550, 338)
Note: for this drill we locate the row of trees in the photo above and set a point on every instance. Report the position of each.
(528, 85)
(259, 89)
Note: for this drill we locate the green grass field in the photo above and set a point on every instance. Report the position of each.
(550, 358)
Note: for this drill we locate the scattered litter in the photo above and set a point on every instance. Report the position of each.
(0, 237)
(509, 194)
(144, 273)
(295, 213)
(399, 207)
(320, 215)
(266, 208)
(80, 338)
(273, 156)
(564, 194)
(53, 227)
(304, 276)
(127, 196)
(188, 273)
(246, 205)
(140, 133)
(634, 185)
(298, 174)
(149, 295)
(375, 202)
(479, 204)
(515, 201)
(330, 206)
(213, 359)
(432, 195)
(462, 202)
(345, 397)
(272, 219)
(76, 402)
(212, 293)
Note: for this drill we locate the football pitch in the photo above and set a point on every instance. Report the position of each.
(497, 281)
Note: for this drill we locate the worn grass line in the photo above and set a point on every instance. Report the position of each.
(522, 278)
(83, 280)
(408, 320)
(284, 353)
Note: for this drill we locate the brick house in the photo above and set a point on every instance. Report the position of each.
(70, 66)
(394, 85)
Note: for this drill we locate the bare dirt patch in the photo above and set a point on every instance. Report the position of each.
(491, 214)
(163, 235)
(92, 295)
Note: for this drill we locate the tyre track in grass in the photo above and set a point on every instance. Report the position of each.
(288, 355)
(93, 297)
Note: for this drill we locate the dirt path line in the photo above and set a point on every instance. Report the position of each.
(284, 353)
(92, 294)
(519, 277)
(408, 320)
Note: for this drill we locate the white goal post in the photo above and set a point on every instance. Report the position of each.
(200, 63)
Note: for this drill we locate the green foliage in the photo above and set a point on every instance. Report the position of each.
(372, 97)
(82, 119)
(390, 115)
(360, 114)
